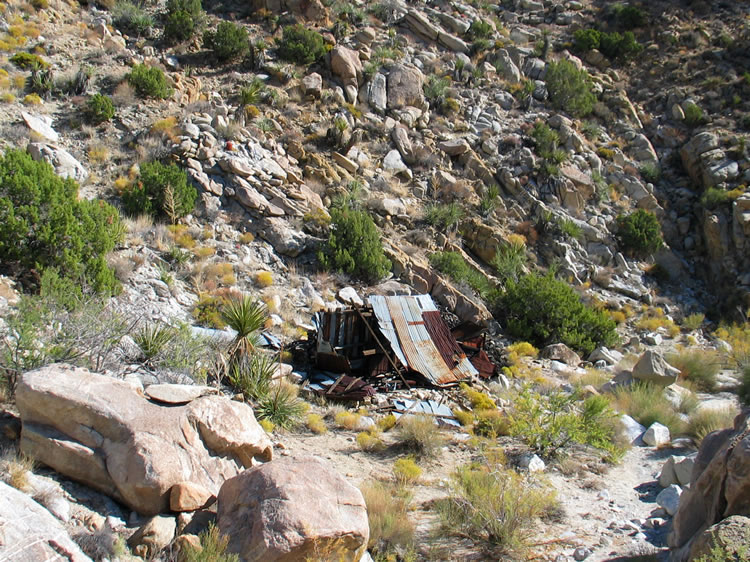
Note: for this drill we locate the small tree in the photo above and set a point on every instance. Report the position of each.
(44, 225)
(183, 18)
(149, 82)
(160, 190)
(99, 109)
(570, 88)
(229, 41)
(639, 233)
(301, 45)
(354, 246)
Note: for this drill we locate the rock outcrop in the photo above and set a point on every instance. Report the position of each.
(103, 433)
(719, 486)
(293, 509)
(652, 367)
(30, 533)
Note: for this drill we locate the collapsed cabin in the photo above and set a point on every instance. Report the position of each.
(392, 342)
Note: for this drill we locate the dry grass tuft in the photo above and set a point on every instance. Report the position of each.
(15, 468)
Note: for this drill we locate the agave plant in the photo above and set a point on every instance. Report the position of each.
(246, 316)
(281, 406)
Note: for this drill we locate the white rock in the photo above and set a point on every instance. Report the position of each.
(632, 429)
(669, 498)
(667, 476)
(41, 125)
(532, 463)
(349, 295)
(683, 470)
(656, 435)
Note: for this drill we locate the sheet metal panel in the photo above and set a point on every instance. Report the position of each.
(380, 308)
(401, 320)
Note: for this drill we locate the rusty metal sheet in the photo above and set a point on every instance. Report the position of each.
(401, 319)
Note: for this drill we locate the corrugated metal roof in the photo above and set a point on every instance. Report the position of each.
(401, 319)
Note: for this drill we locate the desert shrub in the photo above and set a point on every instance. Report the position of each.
(494, 504)
(650, 172)
(455, 266)
(480, 29)
(99, 108)
(183, 18)
(587, 39)
(479, 400)
(639, 232)
(491, 423)
(28, 61)
(253, 93)
(509, 261)
(619, 46)
(131, 18)
(406, 471)
(281, 406)
(569, 88)
(15, 468)
(706, 420)
(714, 197)
(252, 375)
(693, 322)
(387, 422)
(698, 366)
(229, 41)
(161, 190)
(550, 422)
(387, 513)
(301, 45)
(370, 442)
(558, 315)
(316, 424)
(43, 224)
(213, 547)
(40, 82)
(646, 404)
(420, 435)
(264, 278)
(693, 114)
(354, 246)
(152, 339)
(627, 16)
(465, 418)
(149, 82)
(347, 420)
(444, 216)
(436, 90)
(247, 317)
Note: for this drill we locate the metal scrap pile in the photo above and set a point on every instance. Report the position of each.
(394, 342)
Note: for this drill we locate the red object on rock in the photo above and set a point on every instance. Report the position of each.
(230, 145)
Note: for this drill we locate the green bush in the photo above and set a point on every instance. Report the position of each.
(587, 39)
(454, 266)
(509, 261)
(707, 420)
(619, 46)
(213, 547)
(281, 406)
(697, 366)
(714, 197)
(131, 18)
(557, 315)
(569, 88)
(627, 16)
(99, 108)
(480, 29)
(28, 61)
(639, 232)
(43, 224)
(693, 114)
(391, 531)
(550, 422)
(354, 246)
(229, 41)
(646, 404)
(160, 190)
(419, 434)
(444, 216)
(301, 45)
(183, 18)
(149, 82)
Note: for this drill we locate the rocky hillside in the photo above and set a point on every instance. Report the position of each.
(570, 176)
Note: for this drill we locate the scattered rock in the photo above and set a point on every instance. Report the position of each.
(632, 429)
(29, 533)
(652, 367)
(532, 463)
(561, 352)
(177, 393)
(153, 536)
(656, 435)
(669, 498)
(41, 125)
(292, 509)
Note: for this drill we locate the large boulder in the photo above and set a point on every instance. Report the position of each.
(30, 533)
(404, 87)
(652, 367)
(100, 431)
(719, 487)
(706, 162)
(346, 65)
(65, 165)
(731, 536)
(293, 509)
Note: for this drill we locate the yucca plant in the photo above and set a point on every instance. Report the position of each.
(246, 316)
(153, 339)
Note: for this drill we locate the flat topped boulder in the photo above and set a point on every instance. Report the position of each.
(177, 393)
(100, 431)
